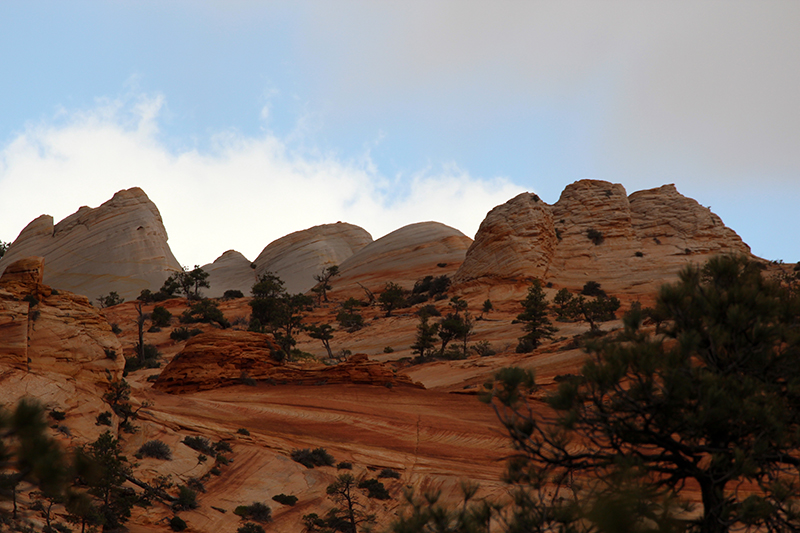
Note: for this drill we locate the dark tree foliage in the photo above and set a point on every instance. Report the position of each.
(425, 341)
(109, 300)
(349, 318)
(205, 311)
(118, 398)
(347, 516)
(427, 514)
(324, 333)
(160, 316)
(712, 403)
(393, 297)
(311, 458)
(323, 282)
(537, 325)
(600, 308)
(375, 489)
(276, 311)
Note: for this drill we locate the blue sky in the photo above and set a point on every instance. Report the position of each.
(244, 121)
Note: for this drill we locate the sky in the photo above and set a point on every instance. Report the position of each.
(244, 121)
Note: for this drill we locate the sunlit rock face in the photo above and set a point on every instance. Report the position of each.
(44, 331)
(120, 246)
(595, 231)
(230, 271)
(299, 256)
(404, 256)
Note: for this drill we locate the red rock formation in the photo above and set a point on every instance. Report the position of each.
(47, 331)
(223, 358)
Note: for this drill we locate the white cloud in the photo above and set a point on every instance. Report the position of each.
(242, 193)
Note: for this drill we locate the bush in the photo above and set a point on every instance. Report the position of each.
(388, 349)
(350, 320)
(155, 449)
(344, 465)
(389, 473)
(256, 511)
(250, 528)
(103, 419)
(160, 316)
(525, 346)
(110, 354)
(177, 524)
(592, 288)
(31, 299)
(187, 498)
(245, 379)
(595, 236)
(55, 414)
(284, 499)
(115, 329)
(223, 447)
(374, 488)
(200, 444)
(243, 431)
(205, 311)
(182, 333)
(151, 359)
(232, 294)
(483, 349)
(311, 458)
(428, 310)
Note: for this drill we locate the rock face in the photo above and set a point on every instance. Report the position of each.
(230, 271)
(404, 256)
(596, 232)
(222, 358)
(120, 246)
(46, 331)
(297, 257)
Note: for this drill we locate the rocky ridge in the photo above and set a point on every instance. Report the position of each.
(120, 246)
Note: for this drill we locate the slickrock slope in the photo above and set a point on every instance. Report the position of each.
(230, 271)
(297, 257)
(596, 232)
(120, 246)
(223, 358)
(403, 256)
(56, 332)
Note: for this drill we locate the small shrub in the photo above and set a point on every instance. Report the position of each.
(232, 294)
(525, 346)
(110, 354)
(389, 473)
(222, 460)
(31, 299)
(196, 485)
(156, 449)
(177, 524)
(388, 349)
(374, 488)
(243, 431)
(284, 499)
(250, 528)
(639, 254)
(245, 379)
(187, 498)
(55, 414)
(311, 458)
(223, 447)
(483, 349)
(103, 419)
(215, 471)
(592, 288)
(344, 465)
(200, 444)
(595, 236)
(160, 316)
(428, 310)
(115, 329)
(256, 511)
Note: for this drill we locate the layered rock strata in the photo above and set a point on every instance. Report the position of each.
(297, 257)
(57, 332)
(596, 232)
(230, 271)
(120, 246)
(223, 358)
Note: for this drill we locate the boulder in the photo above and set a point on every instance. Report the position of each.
(120, 246)
(229, 357)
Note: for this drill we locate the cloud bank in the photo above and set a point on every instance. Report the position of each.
(241, 193)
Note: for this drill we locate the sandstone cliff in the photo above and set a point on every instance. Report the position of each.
(223, 358)
(53, 332)
(597, 232)
(120, 246)
(230, 271)
(297, 257)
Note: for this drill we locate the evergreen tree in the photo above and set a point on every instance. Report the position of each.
(537, 324)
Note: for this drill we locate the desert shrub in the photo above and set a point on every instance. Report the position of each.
(595, 236)
(483, 349)
(256, 511)
(374, 488)
(245, 379)
(151, 359)
(344, 465)
(196, 485)
(187, 498)
(215, 471)
(454, 353)
(103, 419)
(205, 311)
(55, 414)
(639, 254)
(110, 354)
(222, 460)
(223, 447)
(200, 444)
(389, 473)
(388, 349)
(284, 499)
(350, 320)
(160, 316)
(250, 528)
(414, 299)
(525, 346)
(243, 431)
(311, 458)
(592, 288)
(31, 299)
(182, 333)
(177, 524)
(428, 310)
(115, 329)
(432, 286)
(156, 449)
(232, 294)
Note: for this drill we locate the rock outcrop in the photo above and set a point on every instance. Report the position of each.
(596, 232)
(46, 331)
(223, 358)
(230, 271)
(404, 256)
(120, 246)
(297, 257)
